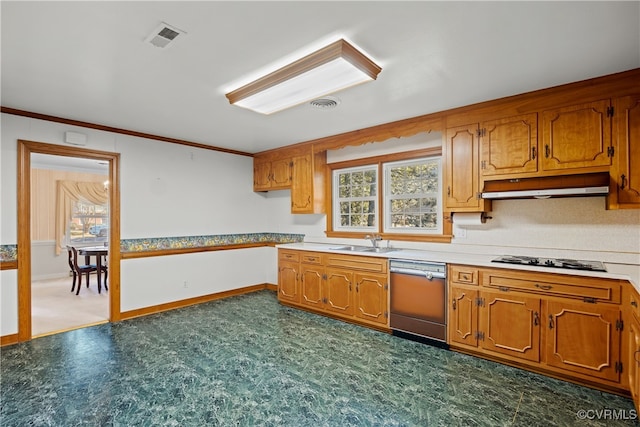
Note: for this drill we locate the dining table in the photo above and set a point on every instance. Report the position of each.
(98, 252)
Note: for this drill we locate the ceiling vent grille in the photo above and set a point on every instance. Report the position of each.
(325, 103)
(163, 35)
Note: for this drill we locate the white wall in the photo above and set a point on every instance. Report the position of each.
(167, 190)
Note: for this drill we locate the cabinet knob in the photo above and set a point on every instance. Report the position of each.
(533, 152)
(623, 181)
(635, 304)
(453, 303)
(547, 150)
(551, 321)
(536, 319)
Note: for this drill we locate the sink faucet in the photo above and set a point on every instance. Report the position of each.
(375, 238)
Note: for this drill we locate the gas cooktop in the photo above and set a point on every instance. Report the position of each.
(572, 264)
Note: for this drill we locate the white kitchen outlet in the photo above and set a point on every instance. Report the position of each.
(461, 233)
(185, 284)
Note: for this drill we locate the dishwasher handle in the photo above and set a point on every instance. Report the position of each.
(430, 275)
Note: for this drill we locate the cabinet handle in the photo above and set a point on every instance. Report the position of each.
(448, 190)
(635, 356)
(454, 304)
(623, 181)
(503, 288)
(357, 286)
(543, 287)
(551, 321)
(635, 304)
(536, 319)
(547, 151)
(533, 152)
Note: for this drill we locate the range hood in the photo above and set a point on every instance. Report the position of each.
(594, 184)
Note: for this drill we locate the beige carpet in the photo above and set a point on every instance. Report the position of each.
(54, 308)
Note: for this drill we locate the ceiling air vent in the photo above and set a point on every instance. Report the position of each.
(163, 35)
(325, 103)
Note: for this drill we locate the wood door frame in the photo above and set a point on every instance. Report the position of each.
(25, 148)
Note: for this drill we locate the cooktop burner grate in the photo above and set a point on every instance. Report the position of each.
(571, 264)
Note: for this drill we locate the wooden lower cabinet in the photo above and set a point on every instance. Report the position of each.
(371, 297)
(311, 280)
(560, 325)
(288, 283)
(339, 291)
(584, 338)
(510, 325)
(463, 316)
(345, 286)
(633, 359)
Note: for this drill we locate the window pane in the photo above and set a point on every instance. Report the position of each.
(412, 195)
(354, 198)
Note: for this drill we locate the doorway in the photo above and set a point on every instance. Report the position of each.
(25, 151)
(81, 186)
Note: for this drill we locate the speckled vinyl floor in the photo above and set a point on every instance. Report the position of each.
(247, 361)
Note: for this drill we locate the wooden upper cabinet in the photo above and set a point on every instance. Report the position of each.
(509, 145)
(626, 166)
(307, 186)
(271, 174)
(577, 137)
(461, 161)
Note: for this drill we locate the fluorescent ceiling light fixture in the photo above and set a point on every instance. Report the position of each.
(328, 70)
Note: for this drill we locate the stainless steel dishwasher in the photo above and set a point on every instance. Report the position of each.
(418, 296)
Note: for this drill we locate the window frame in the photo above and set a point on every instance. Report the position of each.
(443, 237)
(375, 198)
(387, 196)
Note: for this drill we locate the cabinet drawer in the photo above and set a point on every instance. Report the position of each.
(585, 288)
(289, 255)
(360, 263)
(463, 274)
(311, 258)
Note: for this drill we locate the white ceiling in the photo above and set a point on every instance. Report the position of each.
(88, 60)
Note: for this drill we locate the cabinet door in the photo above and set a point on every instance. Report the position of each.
(371, 297)
(583, 338)
(463, 316)
(461, 159)
(261, 175)
(633, 370)
(338, 295)
(281, 173)
(510, 324)
(576, 137)
(509, 145)
(288, 289)
(302, 189)
(311, 277)
(626, 170)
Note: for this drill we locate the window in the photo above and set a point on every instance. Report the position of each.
(89, 223)
(412, 196)
(355, 195)
(398, 197)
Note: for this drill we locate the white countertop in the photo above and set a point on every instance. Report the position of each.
(627, 272)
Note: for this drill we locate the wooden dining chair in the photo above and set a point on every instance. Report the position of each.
(78, 270)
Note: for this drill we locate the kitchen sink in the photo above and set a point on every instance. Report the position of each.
(379, 250)
(362, 249)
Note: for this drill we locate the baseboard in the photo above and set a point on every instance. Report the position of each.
(8, 340)
(193, 301)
